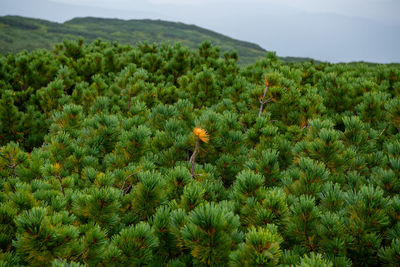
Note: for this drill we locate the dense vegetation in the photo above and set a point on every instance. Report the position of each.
(300, 164)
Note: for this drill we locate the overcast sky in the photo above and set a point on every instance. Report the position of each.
(332, 30)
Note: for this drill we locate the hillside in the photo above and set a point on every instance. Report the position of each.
(18, 33)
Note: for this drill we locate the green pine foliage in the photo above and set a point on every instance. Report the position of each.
(211, 233)
(261, 248)
(97, 168)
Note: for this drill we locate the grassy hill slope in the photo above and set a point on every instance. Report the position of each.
(18, 33)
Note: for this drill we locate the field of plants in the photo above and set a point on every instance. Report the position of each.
(158, 155)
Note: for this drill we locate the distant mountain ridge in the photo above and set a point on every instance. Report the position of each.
(18, 33)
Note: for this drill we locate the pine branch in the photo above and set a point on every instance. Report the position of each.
(263, 101)
(62, 187)
(81, 254)
(123, 190)
(129, 101)
(305, 126)
(12, 165)
(382, 131)
(128, 189)
(193, 157)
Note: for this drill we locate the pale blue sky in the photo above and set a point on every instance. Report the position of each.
(333, 30)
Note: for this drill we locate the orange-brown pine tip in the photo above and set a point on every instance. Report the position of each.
(202, 134)
(266, 82)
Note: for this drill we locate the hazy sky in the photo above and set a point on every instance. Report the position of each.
(333, 30)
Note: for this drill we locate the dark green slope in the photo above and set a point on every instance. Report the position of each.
(18, 33)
